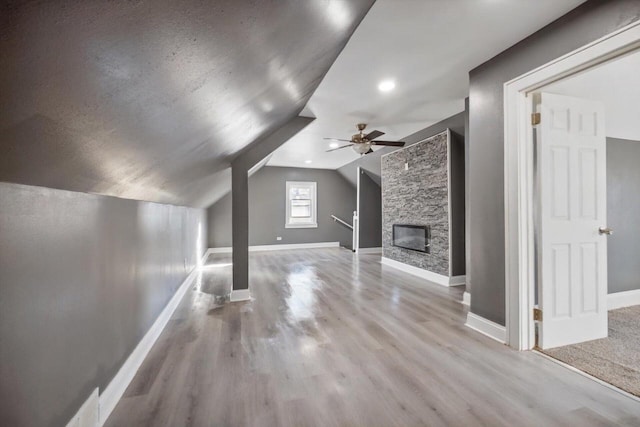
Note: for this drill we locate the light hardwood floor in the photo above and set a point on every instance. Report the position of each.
(336, 339)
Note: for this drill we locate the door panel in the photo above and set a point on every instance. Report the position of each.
(572, 199)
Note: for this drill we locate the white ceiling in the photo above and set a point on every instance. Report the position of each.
(617, 85)
(428, 48)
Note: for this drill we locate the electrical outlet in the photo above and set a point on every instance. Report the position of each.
(185, 263)
(278, 238)
(406, 166)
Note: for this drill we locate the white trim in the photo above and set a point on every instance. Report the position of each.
(587, 375)
(294, 246)
(302, 225)
(419, 272)
(290, 222)
(377, 250)
(486, 327)
(113, 392)
(466, 298)
(238, 295)
(282, 247)
(518, 173)
(89, 413)
(623, 299)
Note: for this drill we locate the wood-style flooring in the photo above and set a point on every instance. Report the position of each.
(336, 339)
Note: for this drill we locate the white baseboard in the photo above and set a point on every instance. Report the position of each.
(113, 392)
(240, 295)
(623, 299)
(225, 250)
(88, 414)
(369, 250)
(282, 247)
(487, 327)
(466, 298)
(424, 274)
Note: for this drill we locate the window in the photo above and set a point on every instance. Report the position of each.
(301, 205)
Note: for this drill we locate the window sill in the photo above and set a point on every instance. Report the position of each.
(314, 225)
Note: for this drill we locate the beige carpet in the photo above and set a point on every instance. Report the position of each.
(615, 359)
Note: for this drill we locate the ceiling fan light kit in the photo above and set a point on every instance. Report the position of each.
(362, 143)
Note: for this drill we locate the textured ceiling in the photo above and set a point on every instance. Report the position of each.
(150, 100)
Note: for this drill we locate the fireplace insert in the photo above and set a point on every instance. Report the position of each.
(412, 237)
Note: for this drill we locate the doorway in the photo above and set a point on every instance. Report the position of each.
(368, 225)
(591, 317)
(561, 262)
(521, 266)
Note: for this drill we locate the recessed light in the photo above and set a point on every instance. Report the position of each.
(334, 145)
(386, 85)
(307, 161)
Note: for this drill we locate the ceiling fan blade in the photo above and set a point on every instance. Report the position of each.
(389, 143)
(337, 139)
(370, 151)
(339, 148)
(373, 135)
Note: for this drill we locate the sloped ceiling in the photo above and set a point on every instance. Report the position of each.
(427, 47)
(150, 100)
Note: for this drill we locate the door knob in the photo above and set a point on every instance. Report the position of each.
(605, 230)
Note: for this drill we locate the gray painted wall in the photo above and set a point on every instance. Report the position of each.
(219, 223)
(457, 177)
(623, 214)
(370, 215)
(82, 278)
(371, 162)
(590, 21)
(467, 213)
(418, 196)
(267, 209)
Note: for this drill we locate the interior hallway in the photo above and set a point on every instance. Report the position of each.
(333, 338)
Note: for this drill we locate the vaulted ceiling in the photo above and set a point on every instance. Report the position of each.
(150, 100)
(427, 48)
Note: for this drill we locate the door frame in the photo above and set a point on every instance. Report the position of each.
(518, 173)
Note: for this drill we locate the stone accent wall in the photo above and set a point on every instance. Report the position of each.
(418, 196)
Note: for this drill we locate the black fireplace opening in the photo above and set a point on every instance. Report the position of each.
(412, 237)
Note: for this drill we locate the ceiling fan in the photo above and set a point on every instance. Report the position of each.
(362, 143)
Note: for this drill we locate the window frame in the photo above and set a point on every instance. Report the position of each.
(313, 222)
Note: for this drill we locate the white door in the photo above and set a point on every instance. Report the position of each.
(572, 268)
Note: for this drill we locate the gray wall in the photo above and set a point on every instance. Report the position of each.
(370, 215)
(585, 24)
(267, 209)
(82, 278)
(457, 177)
(371, 162)
(419, 196)
(219, 223)
(623, 214)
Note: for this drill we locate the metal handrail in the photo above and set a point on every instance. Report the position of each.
(335, 218)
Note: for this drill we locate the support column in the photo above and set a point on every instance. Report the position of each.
(240, 232)
(249, 157)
